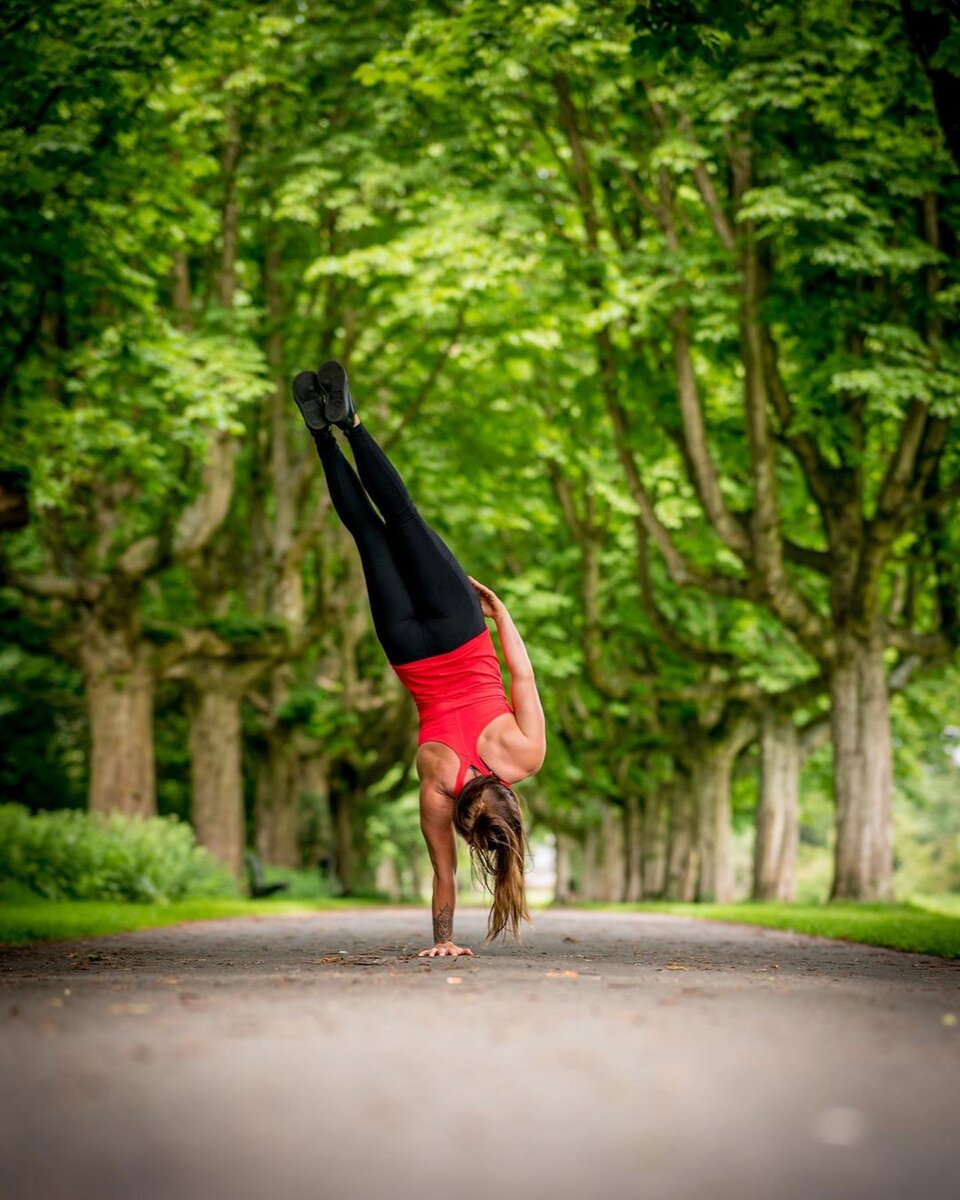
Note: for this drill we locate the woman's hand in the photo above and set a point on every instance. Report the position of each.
(445, 949)
(490, 603)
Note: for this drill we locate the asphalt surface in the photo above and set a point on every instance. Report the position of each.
(608, 1056)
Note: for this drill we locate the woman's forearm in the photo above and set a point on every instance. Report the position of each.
(444, 903)
(514, 651)
(524, 697)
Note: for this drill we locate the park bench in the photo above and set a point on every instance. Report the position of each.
(257, 884)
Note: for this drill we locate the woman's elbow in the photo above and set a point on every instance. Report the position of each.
(538, 754)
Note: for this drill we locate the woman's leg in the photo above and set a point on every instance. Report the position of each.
(438, 585)
(398, 627)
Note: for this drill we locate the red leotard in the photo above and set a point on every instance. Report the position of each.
(458, 694)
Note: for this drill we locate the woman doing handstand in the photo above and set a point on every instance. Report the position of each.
(429, 617)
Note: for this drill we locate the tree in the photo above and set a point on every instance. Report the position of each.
(732, 236)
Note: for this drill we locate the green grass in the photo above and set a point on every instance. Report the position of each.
(926, 925)
(49, 920)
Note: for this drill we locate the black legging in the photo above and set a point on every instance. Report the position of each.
(421, 600)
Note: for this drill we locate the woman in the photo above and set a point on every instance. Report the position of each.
(429, 617)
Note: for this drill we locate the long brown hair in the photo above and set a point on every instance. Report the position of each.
(486, 813)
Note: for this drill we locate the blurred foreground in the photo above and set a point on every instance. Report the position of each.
(611, 1055)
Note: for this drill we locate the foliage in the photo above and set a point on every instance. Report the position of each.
(200, 199)
(42, 759)
(70, 855)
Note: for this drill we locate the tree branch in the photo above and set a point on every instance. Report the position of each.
(704, 472)
(661, 624)
(683, 572)
(52, 587)
(722, 224)
(200, 520)
(427, 386)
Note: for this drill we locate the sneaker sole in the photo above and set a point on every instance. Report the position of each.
(333, 381)
(309, 398)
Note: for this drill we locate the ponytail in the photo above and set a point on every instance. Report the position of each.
(487, 815)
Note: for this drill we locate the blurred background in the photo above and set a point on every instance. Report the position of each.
(655, 308)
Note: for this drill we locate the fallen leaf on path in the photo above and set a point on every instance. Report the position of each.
(562, 974)
(454, 979)
(949, 1018)
(676, 967)
(571, 939)
(128, 1010)
(170, 979)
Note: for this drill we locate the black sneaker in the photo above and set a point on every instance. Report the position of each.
(310, 398)
(339, 407)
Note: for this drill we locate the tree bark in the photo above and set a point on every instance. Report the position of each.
(654, 862)
(352, 861)
(862, 772)
(317, 830)
(683, 854)
(710, 784)
(276, 804)
(215, 770)
(602, 877)
(564, 889)
(120, 689)
(775, 849)
(387, 878)
(634, 822)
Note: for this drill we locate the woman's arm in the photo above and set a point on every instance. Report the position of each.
(437, 828)
(524, 697)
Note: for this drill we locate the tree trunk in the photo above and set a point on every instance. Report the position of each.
(387, 878)
(654, 861)
(635, 832)
(683, 856)
(603, 860)
(775, 849)
(862, 773)
(564, 888)
(120, 689)
(312, 784)
(216, 775)
(710, 781)
(352, 861)
(276, 804)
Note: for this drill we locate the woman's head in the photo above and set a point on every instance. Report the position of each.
(487, 815)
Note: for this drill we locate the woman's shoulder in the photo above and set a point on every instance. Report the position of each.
(437, 766)
(504, 742)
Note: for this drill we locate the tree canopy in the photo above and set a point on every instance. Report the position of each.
(654, 305)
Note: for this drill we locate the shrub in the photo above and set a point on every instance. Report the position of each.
(73, 855)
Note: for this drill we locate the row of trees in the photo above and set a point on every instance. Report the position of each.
(657, 311)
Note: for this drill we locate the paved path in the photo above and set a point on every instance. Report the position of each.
(610, 1056)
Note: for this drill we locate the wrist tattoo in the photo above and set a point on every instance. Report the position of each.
(443, 925)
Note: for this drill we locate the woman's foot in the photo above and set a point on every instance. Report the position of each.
(310, 398)
(339, 408)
